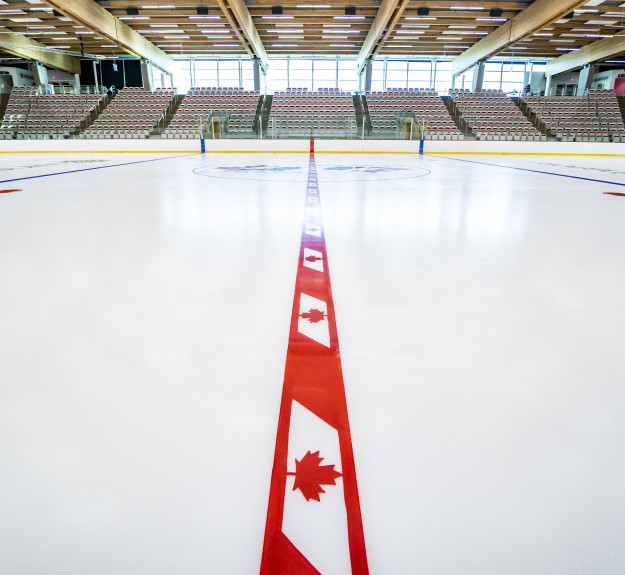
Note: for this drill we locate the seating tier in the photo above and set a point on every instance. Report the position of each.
(493, 116)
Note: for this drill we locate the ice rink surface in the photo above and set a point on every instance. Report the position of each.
(144, 319)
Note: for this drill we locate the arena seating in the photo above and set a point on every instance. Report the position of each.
(426, 105)
(133, 113)
(31, 115)
(595, 117)
(238, 104)
(298, 112)
(491, 115)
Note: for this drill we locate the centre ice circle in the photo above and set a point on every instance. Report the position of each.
(331, 173)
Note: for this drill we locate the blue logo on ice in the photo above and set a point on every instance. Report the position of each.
(261, 168)
(367, 169)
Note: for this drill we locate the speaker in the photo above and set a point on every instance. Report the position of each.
(57, 14)
(569, 16)
(496, 12)
(202, 11)
(423, 11)
(276, 10)
(350, 11)
(132, 11)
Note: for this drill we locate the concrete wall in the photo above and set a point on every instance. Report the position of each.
(605, 80)
(20, 77)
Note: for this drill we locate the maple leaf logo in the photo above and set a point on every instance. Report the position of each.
(314, 315)
(313, 258)
(310, 475)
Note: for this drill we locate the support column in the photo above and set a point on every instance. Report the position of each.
(77, 83)
(257, 73)
(146, 75)
(453, 81)
(95, 76)
(478, 77)
(368, 72)
(40, 74)
(548, 86)
(586, 75)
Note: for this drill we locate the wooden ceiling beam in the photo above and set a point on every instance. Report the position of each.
(92, 16)
(595, 52)
(24, 47)
(237, 10)
(386, 13)
(535, 17)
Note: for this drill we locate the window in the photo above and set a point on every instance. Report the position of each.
(324, 74)
(228, 73)
(348, 78)
(182, 75)
(247, 74)
(277, 75)
(465, 81)
(420, 74)
(396, 74)
(492, 76)
(377, 75)
(513, 77)
(443, 76)
(206, 75)
(300, 73)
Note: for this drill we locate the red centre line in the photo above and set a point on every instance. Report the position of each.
(313, 417)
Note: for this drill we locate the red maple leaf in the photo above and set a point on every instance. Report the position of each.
(314, 315)
(310, 475)
(313, 258)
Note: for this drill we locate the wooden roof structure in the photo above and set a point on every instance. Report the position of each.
(161, 29)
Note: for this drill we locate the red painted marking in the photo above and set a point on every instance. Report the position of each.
(310, 475)
(312, 146)
(314, 378)
(8, 191)
(613, 194)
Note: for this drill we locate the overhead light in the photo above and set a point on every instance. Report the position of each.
(313, 6)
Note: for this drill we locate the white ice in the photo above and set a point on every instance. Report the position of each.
(144, 318)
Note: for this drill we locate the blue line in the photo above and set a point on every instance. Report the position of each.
(528, 170)
(94, 168)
